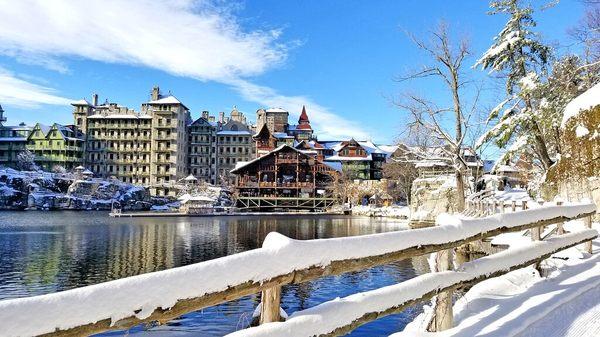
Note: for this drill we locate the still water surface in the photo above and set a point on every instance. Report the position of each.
(45, 252)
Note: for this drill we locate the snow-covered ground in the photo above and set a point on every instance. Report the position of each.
(522, 303)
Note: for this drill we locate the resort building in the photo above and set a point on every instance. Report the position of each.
(214, 148)
(359, 160)
(234, 144)
(56, 148)
(146, 148)
(13, 140)
(202, 149)
(285, 178)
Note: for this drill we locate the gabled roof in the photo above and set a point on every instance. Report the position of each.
(241, 165)
(263, 132)
(308, 145)
(200, 121)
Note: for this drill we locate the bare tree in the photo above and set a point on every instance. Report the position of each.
(447, 58)
(343, 186)
(26, 161)
(402, 173)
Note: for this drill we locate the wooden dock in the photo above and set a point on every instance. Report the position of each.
(181, 214)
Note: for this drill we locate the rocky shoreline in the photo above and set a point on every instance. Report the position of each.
(37, 190)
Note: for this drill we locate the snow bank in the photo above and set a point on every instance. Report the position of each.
(141, 295)
(328, 316)
(585, 101)
(522, 303)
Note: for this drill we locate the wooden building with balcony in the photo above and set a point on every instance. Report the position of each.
(285, 179)
(56, 146)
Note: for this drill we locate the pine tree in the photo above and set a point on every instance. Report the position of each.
(518, 53)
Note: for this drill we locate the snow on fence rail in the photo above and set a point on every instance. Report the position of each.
(340, 316)
(165, 295)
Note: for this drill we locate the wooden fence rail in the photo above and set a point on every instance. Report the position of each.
(163, 296)
(340, 316)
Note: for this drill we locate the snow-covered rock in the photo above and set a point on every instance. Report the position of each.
(47, 191)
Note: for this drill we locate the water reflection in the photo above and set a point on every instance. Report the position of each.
(48, 252)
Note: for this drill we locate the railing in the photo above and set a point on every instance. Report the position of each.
(162, 296)
(484, 207)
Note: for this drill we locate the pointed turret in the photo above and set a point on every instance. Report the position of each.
(303, 122)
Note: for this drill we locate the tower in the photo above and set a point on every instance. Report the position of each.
(2, 118)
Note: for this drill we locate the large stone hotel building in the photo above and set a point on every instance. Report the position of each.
(146, 147)
(159, 145)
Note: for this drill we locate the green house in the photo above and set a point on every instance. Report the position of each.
(55, 147)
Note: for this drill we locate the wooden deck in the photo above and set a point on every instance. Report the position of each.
(180, 214)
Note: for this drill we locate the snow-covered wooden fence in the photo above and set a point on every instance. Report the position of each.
(165, 295)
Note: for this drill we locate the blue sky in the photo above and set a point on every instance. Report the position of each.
(337, 57)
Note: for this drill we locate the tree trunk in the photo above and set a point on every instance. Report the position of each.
(460, 191)
(540, 144)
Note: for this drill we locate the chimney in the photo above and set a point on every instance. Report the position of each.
(221, 117)
(205, 114)
(94, 99)
(155, 93)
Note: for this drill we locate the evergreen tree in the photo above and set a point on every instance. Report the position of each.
(517, 53)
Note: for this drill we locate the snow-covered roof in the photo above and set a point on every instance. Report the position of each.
(585, 101)
(276, 110)
(166, 100)
(82, 101)
(388, 148)
(240, 165)
(190, 178)
(281, 135)
(234, 133)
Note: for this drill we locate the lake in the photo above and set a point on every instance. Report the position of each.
(45, 252)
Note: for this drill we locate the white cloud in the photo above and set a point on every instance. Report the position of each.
(326, 124)
(191, 38)
(21, 93)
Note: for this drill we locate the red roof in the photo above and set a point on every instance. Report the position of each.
(303, 122)
(303, 127)
(303, 116)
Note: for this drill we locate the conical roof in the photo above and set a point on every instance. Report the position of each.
(303, 122)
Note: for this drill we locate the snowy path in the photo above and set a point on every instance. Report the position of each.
(519, 304)
(586, 309)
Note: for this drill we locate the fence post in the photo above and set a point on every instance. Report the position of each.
(560, 229)
(514, 205)
(271, 300)
(442, 319)
(588, 224)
